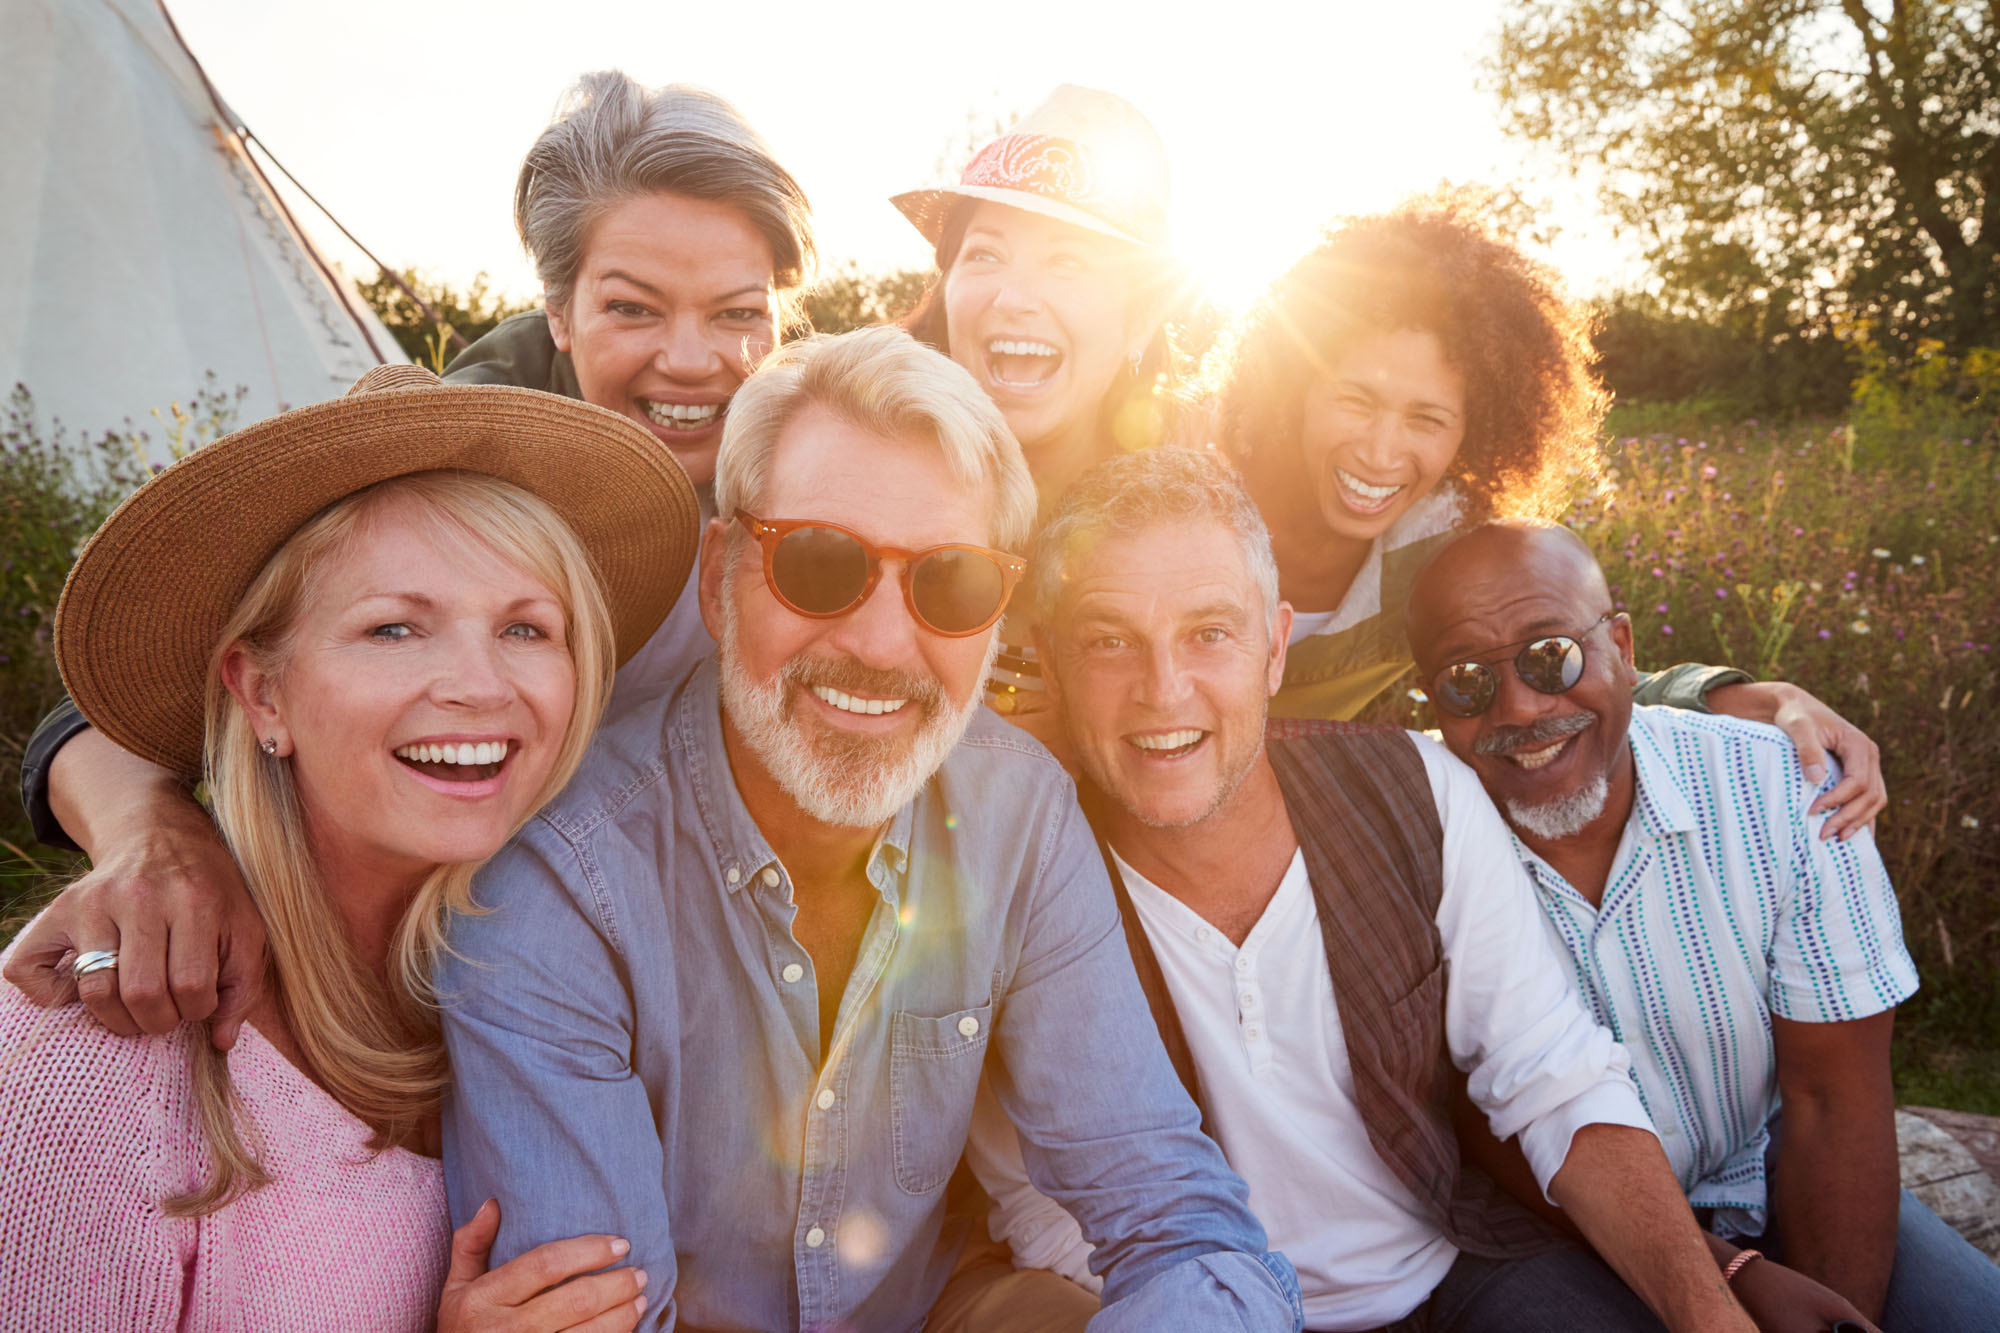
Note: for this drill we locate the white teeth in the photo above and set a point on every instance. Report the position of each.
(682, 416)
(1362, 488)
(1168, 740)
(1537, 758)
(849, 704)
(469, 754)
(1019, 347)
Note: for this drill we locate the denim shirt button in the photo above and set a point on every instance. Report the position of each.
(733, 875)
(815, 1238)
(825, 1099)
(792, 972)
(968, 1026)
(770, 878)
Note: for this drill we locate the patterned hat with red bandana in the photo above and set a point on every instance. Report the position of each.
(1084, 157)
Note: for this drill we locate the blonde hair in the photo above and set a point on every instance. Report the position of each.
(377, 1051)
(888, 382)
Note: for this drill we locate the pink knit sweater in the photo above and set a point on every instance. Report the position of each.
(97, 1130)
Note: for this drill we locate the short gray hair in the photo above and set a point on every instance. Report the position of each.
(613, 139)
(884, 380)
(1130, 493)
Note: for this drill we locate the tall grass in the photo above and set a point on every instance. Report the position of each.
(1869, 575)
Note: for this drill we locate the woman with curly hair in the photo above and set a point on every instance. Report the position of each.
(1409, 377)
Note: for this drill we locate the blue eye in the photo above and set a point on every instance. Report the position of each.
(391, 633)
(521, 629)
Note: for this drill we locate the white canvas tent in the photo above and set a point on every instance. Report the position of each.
(139, 245)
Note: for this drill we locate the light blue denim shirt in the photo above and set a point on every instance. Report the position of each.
(634, 1039)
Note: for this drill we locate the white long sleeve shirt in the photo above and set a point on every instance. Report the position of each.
(1264, 1029)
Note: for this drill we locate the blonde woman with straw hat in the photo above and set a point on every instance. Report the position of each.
(381, 629)
(1054, 287)
(674, 251)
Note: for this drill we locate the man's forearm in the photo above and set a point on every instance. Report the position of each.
(1836, 1195)
(101, 794)
(1616, 1186)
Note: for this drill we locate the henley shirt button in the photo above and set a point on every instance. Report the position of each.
(968, 1026)
(792, 972)
(1250, 1033)
(1248, 999)
(733, 875)
(1206, 935)
(770, 878)
(815, 1238)
(825, 1099)
(1242, 963)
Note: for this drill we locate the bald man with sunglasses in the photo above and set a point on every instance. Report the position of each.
(1748, 962)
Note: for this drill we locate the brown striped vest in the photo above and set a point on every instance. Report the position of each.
(1361, 806)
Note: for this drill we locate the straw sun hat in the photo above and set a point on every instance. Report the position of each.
(142, 610)
(1083, 157)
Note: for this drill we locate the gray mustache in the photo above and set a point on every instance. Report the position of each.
(851, 677)
(1509, 739)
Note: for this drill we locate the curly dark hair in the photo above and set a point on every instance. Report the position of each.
(1533, 404)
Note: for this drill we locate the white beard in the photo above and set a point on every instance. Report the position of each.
(1566, 815)
(848, 781)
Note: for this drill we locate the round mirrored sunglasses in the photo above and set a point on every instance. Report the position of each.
(1550, 664)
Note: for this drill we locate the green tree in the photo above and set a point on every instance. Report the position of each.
(850, 297)
(470, 312)
(1808, 164)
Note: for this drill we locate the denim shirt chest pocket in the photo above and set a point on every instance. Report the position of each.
(934, 1066)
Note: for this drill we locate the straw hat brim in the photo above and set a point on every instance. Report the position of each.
(928, 210)
(146, 602)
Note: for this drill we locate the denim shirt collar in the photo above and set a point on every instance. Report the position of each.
(742, 854)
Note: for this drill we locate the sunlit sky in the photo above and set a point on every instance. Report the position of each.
(408, 118)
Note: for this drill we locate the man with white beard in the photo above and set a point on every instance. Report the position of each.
(732, 991)
(1749, 963)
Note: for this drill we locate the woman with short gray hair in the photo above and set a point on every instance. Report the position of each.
(673, 252)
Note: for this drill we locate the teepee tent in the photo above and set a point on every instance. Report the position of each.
(140, 244)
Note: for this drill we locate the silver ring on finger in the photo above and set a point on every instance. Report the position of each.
(97, 960)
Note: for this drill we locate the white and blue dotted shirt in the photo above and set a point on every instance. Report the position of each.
(1723, 908)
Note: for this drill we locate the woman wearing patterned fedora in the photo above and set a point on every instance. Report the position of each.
(673, 251)
(381, 629)
(1053, 289)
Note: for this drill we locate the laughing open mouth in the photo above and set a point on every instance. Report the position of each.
(1021, 363)
(1168, 744)
(1362, 496)
(682, 416)
(848, 703)
(469, 762)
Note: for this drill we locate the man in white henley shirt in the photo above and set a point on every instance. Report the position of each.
(1164, 639)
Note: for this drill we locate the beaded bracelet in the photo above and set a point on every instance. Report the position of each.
(1735, 1265)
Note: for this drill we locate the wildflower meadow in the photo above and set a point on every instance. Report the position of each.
(1876, 585)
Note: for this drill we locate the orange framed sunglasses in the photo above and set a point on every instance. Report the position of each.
(823, 571)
